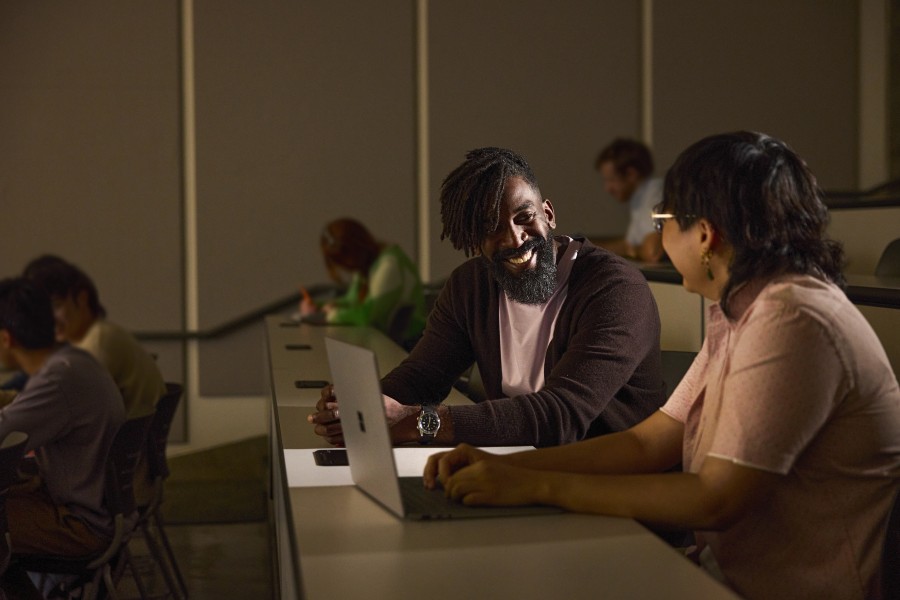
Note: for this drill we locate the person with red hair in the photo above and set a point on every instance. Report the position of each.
(384, 290)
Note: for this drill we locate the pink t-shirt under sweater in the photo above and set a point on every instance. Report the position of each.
(526, 331)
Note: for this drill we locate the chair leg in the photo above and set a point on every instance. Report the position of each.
(170, 554)
(91, 589)
(165, 566)
(108, 582)
(126, 561)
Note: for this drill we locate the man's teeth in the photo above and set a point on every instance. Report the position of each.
(521, 259)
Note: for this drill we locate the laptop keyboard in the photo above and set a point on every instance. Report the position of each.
(417, 499)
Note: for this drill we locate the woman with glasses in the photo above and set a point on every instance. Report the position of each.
(788, 422)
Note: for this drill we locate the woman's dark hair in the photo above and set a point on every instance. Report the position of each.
(27, 314)
(761, 197)
(61, 279)
(346, 243)
(471, 195)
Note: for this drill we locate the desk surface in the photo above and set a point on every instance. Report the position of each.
(302, 470)
(297, 354)
(352, 548)
(333, 541)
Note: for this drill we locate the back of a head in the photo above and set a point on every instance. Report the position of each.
(626, 153)
(61, 279)
(762, 198)
(27, 314)
(346, 243)
(471, 195)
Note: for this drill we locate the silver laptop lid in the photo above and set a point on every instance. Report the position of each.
(357, 385)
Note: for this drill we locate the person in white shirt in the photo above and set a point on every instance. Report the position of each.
(626, 166)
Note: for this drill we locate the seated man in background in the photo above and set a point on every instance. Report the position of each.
(81, 320)
(627, 168)
(564, 334)
(71, 410)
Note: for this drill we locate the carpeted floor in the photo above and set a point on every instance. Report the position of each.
(226, 484)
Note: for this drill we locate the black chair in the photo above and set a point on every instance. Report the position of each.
(399, 321)
(890, 555)
(889, 263)
(98, 572)
(675, 364)
(151, 521)
(11, 451)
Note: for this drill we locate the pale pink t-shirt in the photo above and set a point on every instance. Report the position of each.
(798, 384)
(526, 331)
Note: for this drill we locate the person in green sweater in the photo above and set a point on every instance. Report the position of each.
(384, 289)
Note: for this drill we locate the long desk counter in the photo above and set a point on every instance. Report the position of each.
(333, 541)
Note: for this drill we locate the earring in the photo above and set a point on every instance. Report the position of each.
(704, 260)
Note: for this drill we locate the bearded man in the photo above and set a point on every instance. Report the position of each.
(565, 335)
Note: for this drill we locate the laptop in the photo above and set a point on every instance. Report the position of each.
(357, 385)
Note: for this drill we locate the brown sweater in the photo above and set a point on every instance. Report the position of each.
(602, 369)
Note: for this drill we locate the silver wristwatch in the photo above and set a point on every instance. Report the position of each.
(428, 424)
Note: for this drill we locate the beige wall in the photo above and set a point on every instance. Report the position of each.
(186, 153)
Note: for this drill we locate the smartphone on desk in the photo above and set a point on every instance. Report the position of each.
(332, 457)
(305, 384)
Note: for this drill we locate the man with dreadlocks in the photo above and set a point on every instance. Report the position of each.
(565, 334)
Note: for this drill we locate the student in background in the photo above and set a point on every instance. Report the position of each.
(788, 422)
(81, 320)
(626, 166)
(565, 335)
(71, 410)
(384, 288)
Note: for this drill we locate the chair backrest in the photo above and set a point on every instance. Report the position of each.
(11, 451)
(121, 462)
(890, 556)
(675, 364)
(158, 436)
(399, 322)
(889, 263)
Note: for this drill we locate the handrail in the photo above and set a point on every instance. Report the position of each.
(837, 203)
(884, 195)
(235, 323)
(891, 187)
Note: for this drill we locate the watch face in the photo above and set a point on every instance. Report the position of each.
(429, 422)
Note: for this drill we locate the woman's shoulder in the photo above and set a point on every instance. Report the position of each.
(802, 302)
(803, 292)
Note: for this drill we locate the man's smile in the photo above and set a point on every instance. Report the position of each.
(524, 258)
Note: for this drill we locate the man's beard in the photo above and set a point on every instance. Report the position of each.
(532, 286)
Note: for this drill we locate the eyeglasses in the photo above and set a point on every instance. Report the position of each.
(659, 220)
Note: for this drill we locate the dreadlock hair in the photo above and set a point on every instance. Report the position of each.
(761, 197)
(471, 195)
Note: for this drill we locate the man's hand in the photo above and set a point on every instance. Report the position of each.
(307, 304)
(327, 418)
